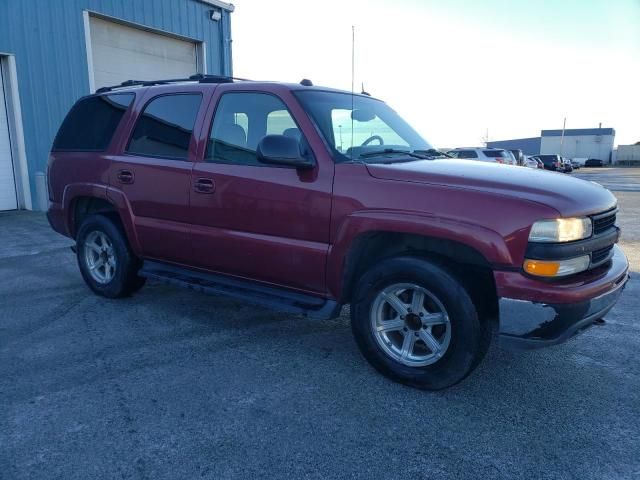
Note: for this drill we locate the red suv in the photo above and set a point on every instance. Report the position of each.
(305, 199)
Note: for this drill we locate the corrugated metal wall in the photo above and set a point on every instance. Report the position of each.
(48, 41)
(628, 153)
(579, 146)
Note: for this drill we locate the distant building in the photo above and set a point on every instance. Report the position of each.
(576, 143)
(530, 146)
(628, 153)
(579, 143)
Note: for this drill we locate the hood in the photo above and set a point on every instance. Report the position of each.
(569, 196)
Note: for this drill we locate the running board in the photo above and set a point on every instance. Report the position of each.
(244, 290)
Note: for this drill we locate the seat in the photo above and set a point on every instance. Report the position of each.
(232, 134)
(293, 133)
(230, 145)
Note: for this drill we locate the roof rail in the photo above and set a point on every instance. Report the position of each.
(199, 77)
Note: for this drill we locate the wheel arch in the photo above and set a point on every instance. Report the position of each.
(465, 262)
(82, 200)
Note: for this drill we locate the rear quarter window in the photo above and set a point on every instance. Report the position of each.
(165, 127)
(91, 123)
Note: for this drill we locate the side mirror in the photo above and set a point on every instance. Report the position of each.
(283, 151)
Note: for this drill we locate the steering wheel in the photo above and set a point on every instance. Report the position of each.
(371, 139)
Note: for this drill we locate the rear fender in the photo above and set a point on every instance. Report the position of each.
(77, 190)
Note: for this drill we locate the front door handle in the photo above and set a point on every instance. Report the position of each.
(125, 176)
(204, 185)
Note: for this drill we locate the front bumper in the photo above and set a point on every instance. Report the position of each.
(532, 324)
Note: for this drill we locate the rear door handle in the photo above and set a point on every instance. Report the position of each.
(125, 176)
(204, 185)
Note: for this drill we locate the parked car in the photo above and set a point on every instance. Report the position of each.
(495, 155)
(531, 162)
(566, 165)
(246, 189)
(518, 155)
(551, 162)
(594, 162)
(575, 165)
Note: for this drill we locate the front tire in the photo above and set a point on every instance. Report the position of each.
(106, 262)
(416, 323)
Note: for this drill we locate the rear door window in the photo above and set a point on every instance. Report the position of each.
(91, 123)
(496, 153)
(165, 127)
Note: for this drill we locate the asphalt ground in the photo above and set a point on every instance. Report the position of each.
(615, 179)
(171, 384)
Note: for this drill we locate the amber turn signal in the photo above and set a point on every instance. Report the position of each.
(541, 269)
(556, 268)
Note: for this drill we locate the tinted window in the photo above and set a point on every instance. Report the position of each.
(496, 153)
(91, 123)
(164, 128)
(241, 121)
(464, 154)
(547, 159)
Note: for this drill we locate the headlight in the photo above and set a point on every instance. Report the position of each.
(556, 268)
(560, 230)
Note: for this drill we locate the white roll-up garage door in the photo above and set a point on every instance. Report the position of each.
(8, 199)
(122, 53)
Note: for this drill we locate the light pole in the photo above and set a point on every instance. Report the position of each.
(564, 125)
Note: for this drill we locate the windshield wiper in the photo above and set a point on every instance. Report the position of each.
(377, 153)
(432, 152)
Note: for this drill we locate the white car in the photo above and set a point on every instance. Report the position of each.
(495, 155)
(530, 162)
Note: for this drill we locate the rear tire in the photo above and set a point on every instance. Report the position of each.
(107, 264)
(416, 323)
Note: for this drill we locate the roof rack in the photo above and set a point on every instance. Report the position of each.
(199, 77)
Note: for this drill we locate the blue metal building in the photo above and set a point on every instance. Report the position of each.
(529, 146)
(53, 52)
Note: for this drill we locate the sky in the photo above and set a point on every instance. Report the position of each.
(456, 69)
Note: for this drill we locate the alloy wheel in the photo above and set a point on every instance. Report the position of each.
(100, 257)
(410, 324)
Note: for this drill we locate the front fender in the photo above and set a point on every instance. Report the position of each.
(487, 242)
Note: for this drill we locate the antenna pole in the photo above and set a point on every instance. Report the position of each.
(353, 57)
(353, 75)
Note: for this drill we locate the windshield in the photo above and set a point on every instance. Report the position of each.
(362, 128)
